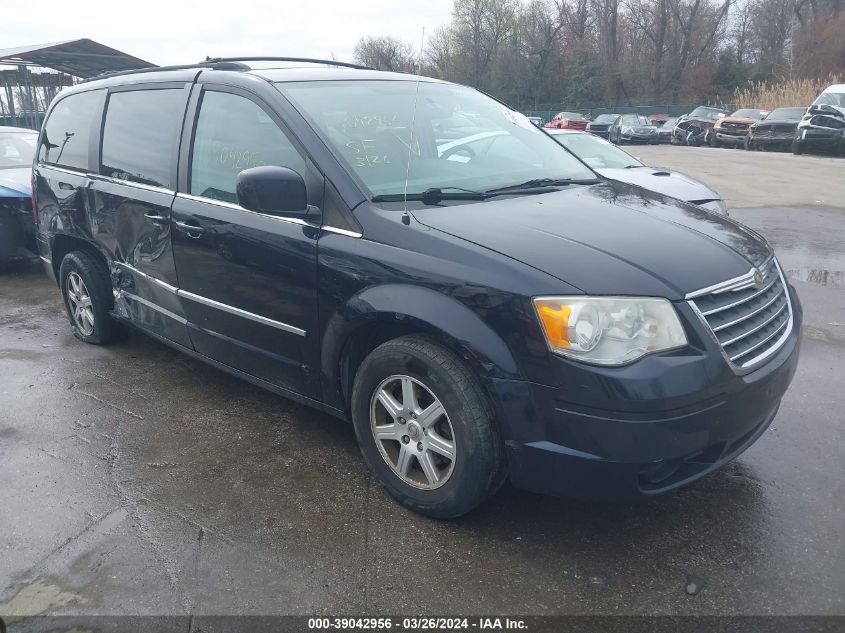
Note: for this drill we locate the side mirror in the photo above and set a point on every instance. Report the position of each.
(272, 189)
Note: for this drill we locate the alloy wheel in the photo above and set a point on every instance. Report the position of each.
(413, 432)
(79, 301)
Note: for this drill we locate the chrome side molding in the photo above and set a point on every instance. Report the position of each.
(203, 300)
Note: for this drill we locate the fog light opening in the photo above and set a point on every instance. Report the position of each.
(660, 471)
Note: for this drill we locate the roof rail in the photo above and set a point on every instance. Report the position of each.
(227, 63)
(304, 60)
(136, 71)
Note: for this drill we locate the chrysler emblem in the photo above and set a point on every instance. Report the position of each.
(758, 278)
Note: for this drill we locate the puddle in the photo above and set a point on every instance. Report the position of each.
(40, 597)
(818, 276)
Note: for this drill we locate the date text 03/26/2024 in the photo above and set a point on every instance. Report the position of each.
(432, 624)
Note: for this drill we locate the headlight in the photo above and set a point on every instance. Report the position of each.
(609, 330)
(627, 130)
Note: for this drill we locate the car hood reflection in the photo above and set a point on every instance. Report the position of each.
(609, 238)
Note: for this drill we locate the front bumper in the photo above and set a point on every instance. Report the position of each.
(650, 427)
(731, 138)
(821, 136)
(640, 138)
(772, 139)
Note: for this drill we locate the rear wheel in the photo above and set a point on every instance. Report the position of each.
(87, 293)
(425, 427)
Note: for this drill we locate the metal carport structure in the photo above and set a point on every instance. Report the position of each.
(81, 59)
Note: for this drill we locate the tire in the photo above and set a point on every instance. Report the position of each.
(796, 148)
(747, 144)
(713, 141)
(431, 370)
(88, 273)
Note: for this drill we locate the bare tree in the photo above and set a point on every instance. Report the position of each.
(385, 53)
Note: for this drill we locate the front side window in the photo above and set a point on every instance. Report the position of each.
(460, 138)
(68, 130)
(17, 149)
(140, 135)
(233, 134)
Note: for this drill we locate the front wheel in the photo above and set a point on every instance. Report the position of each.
(714, 142)
(425, 427)
(796, 148)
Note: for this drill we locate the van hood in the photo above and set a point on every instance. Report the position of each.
(609, 239)
(664, 181)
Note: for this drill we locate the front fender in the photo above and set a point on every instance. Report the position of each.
(421, 309)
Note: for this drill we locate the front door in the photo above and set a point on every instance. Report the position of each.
(247, 280)
(130, 200)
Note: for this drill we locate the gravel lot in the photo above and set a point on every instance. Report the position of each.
(136, 480)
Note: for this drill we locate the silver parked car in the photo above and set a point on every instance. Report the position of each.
(616, 164)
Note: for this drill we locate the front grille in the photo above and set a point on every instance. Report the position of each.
(750, 321)
(782, 130)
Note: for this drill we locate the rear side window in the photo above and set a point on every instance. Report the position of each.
(140, 135)
(233, 134)
(68, 130)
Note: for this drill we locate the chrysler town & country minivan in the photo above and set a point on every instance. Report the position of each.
(417, 258)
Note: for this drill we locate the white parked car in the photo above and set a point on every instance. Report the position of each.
(824, 124)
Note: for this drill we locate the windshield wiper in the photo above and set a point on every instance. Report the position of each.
(434, 195)
(539, 185)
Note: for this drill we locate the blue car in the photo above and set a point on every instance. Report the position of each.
(17, 227)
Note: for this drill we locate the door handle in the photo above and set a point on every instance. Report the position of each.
(152, 216)
(192, 230)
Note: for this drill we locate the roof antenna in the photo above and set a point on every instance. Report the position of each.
(406, 217)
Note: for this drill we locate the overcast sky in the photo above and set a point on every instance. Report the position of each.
(177, 32)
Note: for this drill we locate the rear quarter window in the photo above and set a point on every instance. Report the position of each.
(67, 131)
(140, 135)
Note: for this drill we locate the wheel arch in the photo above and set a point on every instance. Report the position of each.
(63, 243)
(381, 313)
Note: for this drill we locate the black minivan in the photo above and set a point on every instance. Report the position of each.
(415, 257)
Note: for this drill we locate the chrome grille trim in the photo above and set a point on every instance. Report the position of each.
(760, 323)
(725, 326)
(754, 329)
(741, 301)
(759, 344)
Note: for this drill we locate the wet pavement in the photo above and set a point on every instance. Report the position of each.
(136, 480)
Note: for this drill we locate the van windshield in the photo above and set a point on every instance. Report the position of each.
(831, 98)
(461, 138)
